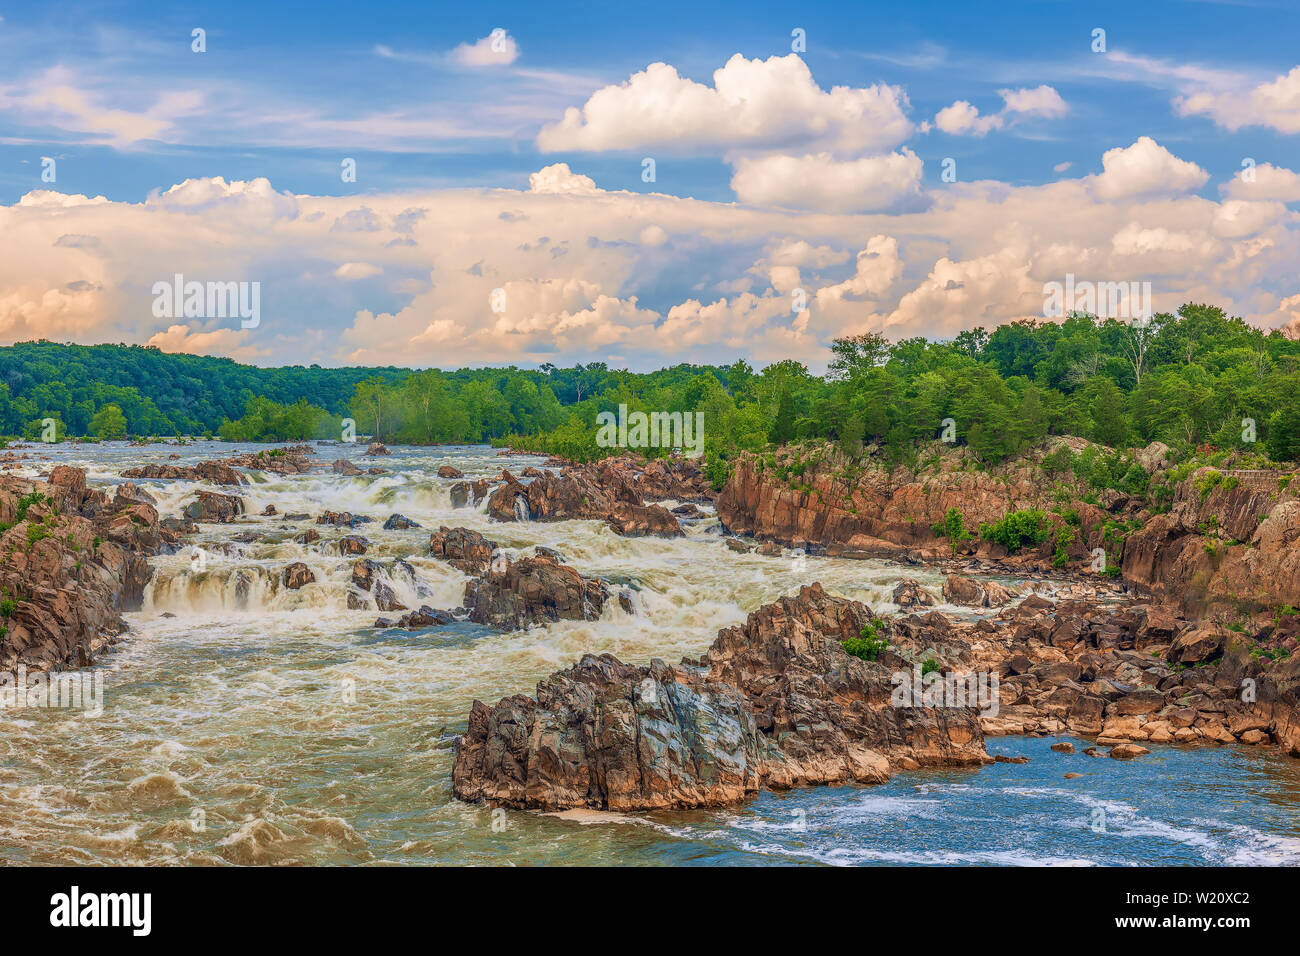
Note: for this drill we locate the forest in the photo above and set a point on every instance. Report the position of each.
(1191, 379)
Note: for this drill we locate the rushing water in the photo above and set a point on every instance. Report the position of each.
(258, 725)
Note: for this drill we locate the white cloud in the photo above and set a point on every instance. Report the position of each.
(558, 178)
(1145, 169)
(1266, 182)
(498, 48)
(590, 273)
(1275, 104)
(753, 105)
(964, 119)
(357, 270)
(821, 182)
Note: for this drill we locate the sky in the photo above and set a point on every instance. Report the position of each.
(487, 184)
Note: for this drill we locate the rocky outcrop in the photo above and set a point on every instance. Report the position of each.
(213, 507)
(344, 467)
(776, 703)
(607, 496)
(425, 616)
(638, 520)
(909, 594)
(447, 471)
(377, 448)
(343, 519)
(71, 559)
(527, 591)
(958, 589)
(465, 494)
(465, 550)
(217, 472)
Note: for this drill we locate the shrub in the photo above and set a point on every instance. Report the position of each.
(867, 645)
(1017, 529)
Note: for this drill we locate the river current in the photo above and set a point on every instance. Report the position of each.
(249, 724)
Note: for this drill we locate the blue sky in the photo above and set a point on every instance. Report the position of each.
(322, 59)
(790, 190)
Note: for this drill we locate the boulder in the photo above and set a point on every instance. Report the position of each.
(1202, 642)
(908, 593)
(398, 522)
(297, 575)
(377, 448)
(467, 551)
(446, 471)
(211, 506)
(517, 594)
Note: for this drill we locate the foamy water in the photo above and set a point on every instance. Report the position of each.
(245, 723)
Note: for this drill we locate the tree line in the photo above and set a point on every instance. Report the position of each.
(1193, 378)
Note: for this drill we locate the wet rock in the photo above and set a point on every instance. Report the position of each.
(1064, 747)
(377, 448)
(775, 703)
(1127, 751)
(297, 575)
(210, 506)
(466, 494)
(639, 520)
(341, 519)
(1073, 776)
(342, 466)
(424, 617)
(958, 589)
(128, 494)
(353, 544)
(908, 593)
(307, 537)
(467, 551)
(446, 471)
(517, 594)
(689, 510)
(398, 522)
(269, 510)
(740, 547)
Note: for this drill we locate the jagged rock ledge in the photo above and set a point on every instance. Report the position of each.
(775, 703)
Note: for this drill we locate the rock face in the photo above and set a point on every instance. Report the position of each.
(71, 559)
(776, 703)
(515, 594)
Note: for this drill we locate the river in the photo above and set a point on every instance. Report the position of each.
(257, 725)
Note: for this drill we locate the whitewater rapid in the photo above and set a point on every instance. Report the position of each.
(248, 723)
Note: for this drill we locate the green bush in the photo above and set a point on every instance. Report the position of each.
(868, 645)
(1028, 526)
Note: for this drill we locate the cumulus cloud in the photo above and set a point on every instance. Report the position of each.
(1275, 104)
(871, 184)
(498, 48)
(559, 178)
(590, 273)
(1264, 182)
(1146, 169)
(964, 119)
(753, 105)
